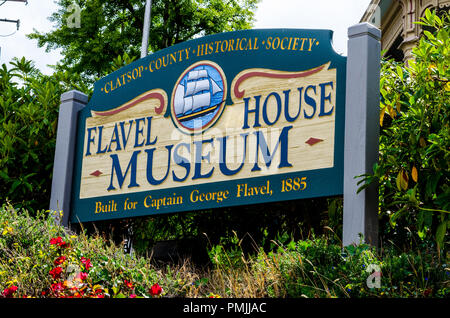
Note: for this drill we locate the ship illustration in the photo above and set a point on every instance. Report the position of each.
(196, 95)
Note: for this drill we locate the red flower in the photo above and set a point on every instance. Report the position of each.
(98, 293)
(133, 296)
(87, 263)
(8, 292)
(57, 287)
(128, 284)
(60, 260)
(58, 241)
(155, 290)
(56, 272)
(82, 275)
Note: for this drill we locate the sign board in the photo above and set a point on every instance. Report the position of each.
(231, 119)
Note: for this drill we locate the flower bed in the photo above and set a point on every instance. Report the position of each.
(39, 259)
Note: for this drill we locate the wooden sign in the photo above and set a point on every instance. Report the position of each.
(230, 119)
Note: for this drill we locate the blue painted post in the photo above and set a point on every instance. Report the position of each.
(361, 133)
(71, 103)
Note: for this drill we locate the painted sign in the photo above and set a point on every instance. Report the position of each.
(230, 119)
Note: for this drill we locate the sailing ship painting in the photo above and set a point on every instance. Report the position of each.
(198, 97)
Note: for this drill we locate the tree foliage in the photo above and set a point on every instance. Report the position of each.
(29, 104)
(108, 37)
(413, 171)
(113, 28)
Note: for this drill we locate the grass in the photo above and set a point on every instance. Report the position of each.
(309, 268)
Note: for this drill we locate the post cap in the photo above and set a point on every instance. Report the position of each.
(364, 28)
(74, 95)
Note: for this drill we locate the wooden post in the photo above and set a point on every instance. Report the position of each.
(361, 133)
(71, 103)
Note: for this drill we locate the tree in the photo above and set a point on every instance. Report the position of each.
(29, 104)
(414, 168)
(112, 28)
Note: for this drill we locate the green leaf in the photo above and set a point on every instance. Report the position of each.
(438, 20)
(362, 188)
(429, 35)
(396, 215)
(4, 175)
(440, 233)
(428, 16)
(420, 221)
(14, 186)
(400, 72)
(428, 219)
(432, 181)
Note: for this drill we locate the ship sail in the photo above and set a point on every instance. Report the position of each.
(195, 75)
(178, 101)
(195, 93)
(198, 86)
(200, 100)
(215, 87)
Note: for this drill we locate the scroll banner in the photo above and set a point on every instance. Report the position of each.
(230, 119)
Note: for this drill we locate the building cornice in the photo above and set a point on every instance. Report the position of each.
(370, 11)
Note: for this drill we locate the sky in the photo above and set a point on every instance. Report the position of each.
(336, 15)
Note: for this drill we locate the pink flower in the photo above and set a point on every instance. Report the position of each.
(133, 296)
(87, 262)
(82, 275)
(8, 292)
(155, 290)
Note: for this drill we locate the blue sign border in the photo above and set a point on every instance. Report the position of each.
(320, 183)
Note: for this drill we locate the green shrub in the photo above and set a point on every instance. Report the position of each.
(29, 103)
(38, 258)
(414, 167)
(316, 268)
(42, 259)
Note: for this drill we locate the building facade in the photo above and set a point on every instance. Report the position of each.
(396, 20)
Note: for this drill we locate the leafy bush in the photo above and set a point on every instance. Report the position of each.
(414, 168)
(29, 103)
(316, 268)
(38, 258)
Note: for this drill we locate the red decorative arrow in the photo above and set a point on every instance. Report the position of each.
(96, 173)
(312, 141)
